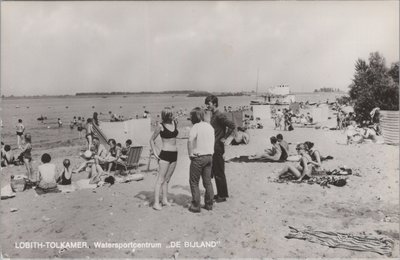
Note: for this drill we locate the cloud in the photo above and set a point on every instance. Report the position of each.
(68, 47)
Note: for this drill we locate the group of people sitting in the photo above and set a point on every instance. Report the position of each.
(309, 163)
(356, 135)
(101, 161)
(278, 152)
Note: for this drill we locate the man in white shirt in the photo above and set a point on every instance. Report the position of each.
(200, 149)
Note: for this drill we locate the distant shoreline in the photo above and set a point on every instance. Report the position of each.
(105, 95)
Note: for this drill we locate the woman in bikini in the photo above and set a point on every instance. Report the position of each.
(26, 156)
(314, 154)
(304, 169)
(167, 157)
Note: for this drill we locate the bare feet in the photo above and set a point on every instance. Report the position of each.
(157, 206)
(166, 203)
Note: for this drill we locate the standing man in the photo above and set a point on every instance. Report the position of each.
(223, 128)
(200, 149)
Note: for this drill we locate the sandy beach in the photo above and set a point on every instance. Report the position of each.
(252, 223)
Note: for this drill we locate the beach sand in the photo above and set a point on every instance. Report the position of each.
(252, 223)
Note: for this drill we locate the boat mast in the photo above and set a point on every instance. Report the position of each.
(258, 73)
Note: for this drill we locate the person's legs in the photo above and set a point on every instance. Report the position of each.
(89, 139)
(18, 141)
(170, 171)
(194, 178)
(218, 171)
(163, 168)
(206, 177)
(29, 169)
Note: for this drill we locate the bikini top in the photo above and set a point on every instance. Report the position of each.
(167, 134)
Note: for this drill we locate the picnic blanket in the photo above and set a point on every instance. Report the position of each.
(381, 245)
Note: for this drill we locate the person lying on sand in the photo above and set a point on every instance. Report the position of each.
(305, 167)
(273, 154)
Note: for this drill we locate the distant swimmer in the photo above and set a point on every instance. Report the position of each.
(20, 132)
(59, 122)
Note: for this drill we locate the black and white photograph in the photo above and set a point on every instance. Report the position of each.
(199, 129)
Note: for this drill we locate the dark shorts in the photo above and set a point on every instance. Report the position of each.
(169, 156)
(80, 128)
(20, 133)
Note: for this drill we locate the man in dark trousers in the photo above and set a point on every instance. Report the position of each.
(223, 128)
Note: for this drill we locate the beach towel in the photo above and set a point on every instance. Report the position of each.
(381, 245)
(323, 181)
(41, 191)
(246, 159)
(7, 192)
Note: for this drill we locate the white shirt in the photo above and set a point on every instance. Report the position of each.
(202, 137)
(47, 172)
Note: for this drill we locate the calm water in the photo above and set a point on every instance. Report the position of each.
(48, 134)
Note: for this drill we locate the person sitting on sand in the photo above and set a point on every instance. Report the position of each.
(368, 133)
(314, 154)
(309, 118)
(303, 170)
(284, 147)
(96, 151)
(7, 156)
(272, 154)
(113, 155)
(66, 174)
(241, 136)
(353, 133)
(47, 173)
(125, 150)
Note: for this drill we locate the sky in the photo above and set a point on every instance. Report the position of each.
(57, 48)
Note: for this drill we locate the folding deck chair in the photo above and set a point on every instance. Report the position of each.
(132, 160)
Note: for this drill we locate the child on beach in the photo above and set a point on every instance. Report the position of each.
(27, 156)
(20, 132)
(66, 174)
(168, 132)
(59, 122)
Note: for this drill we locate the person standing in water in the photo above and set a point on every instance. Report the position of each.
(20, 132)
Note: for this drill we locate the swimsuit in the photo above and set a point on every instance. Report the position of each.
(167, 134)
(64, 181)
(169, 156)
(20, 133)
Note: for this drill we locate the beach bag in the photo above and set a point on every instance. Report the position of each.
(18, 183)
(290, 128)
